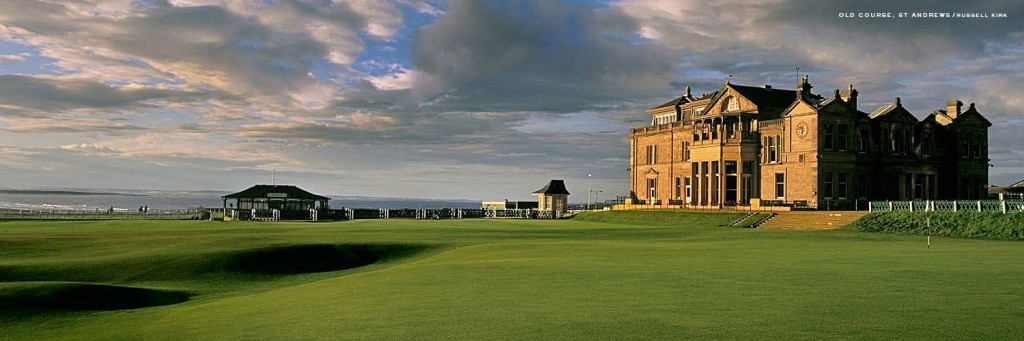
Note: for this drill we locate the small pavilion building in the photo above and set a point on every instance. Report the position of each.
(553, 199)
(290, 202)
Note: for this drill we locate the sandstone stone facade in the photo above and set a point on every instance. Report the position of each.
(743, 145)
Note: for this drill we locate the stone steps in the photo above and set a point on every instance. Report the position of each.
(812, 220)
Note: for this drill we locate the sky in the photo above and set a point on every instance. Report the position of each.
(483, 100)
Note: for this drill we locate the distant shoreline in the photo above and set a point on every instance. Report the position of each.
(33, 191)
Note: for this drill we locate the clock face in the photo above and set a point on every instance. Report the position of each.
(801, 130)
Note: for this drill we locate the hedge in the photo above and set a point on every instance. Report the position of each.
(983, 225)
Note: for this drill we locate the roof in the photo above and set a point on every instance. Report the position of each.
(896, 109)
(278, 191)
(972, 112)
(674, 102)
(553, 187)
(1017, 184)
(766, 98)
(882, 110)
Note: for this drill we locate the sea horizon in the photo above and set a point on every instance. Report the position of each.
(76, 198)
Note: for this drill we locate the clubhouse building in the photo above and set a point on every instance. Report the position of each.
(759, 146)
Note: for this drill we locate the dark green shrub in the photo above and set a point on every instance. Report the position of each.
(984, 225)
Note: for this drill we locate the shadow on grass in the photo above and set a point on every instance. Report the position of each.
(299, 259)
(39, 297)
(70, 287)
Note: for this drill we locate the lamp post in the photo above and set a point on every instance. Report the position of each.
(588, 191)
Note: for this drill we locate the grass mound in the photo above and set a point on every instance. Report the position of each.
(660, 218)
(299, 259)
(73, 296)
(981, 225)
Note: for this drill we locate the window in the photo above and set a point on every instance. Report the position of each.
(826, 188)
(885, 136)
(862, 185)
(984, 145)
(965, 145)
(778, 148)
(841, 185)
(698, 111)
(826, 140)
(772, 157)
(679, 187)
(862, 141)
(897, 140)
(778, 139)
(764, 150)
(802, 158)
(975, 145)
(780, 185)
(652, 154)
(908, 183)
(926, 143)
(652, 189)
(694, 181)
(731, 104)
(714, 130)
(704, 183)
(696, 132)
(730, 167)
(841, 137)
(714, 182)
(686, 151)
(919, 186)
(689, 192)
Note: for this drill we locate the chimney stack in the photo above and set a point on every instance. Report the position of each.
(953, 108)
(803, 90)
(850, 96)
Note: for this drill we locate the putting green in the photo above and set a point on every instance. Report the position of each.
(617, 275)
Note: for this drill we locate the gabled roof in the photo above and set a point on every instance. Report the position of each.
(940, 117)
(278, 191)
(892, 110)
(972, 112)
(882, 110)
(674, 102)
(553, 187)
(1017, 184)
(766, 98)
(836, 99)
(931, 119)
(769, 101)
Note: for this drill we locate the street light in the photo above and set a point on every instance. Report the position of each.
(588, 191)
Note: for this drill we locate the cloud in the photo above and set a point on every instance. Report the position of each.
(532, 51)
(48, 94)
(436, 98)
(398, 79)
(17, 57)
(266, 51)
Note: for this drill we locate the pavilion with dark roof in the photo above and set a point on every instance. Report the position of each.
(292, 202)
(553, 199)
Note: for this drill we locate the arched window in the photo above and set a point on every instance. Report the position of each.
(731, 104)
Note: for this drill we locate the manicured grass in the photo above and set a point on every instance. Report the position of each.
(609, 275)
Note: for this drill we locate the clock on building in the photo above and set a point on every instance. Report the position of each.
(801, 130)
